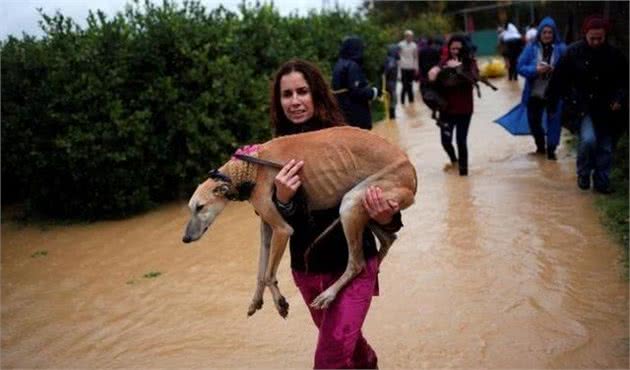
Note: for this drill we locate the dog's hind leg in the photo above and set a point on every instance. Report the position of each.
(263, 260)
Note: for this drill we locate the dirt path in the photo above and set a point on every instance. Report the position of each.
(506, 268)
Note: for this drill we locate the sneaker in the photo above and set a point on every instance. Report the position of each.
(584, 182)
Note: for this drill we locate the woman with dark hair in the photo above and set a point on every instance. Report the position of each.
(455, 77)
(325, 111)
(301, 101)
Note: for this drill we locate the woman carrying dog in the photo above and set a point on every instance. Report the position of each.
(301, 101)
(455, 77)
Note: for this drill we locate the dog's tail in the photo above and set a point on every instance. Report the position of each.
(318, 239)
(385, 239)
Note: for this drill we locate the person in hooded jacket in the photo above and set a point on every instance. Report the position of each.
(390, 71)
(350, 86)
(592, 79)
(536, 64)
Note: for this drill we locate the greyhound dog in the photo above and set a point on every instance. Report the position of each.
(339, 165)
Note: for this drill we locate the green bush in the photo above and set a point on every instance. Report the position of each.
(134, 109)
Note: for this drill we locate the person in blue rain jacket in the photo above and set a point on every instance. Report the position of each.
(536, 63)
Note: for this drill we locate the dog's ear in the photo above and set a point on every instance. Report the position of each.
(222, 190)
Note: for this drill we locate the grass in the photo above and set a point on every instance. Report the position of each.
(152, 274)
(377, 109)
(614, 207)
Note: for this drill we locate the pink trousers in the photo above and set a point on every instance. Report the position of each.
(340, 344)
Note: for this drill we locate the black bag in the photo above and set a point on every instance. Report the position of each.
(432, 97)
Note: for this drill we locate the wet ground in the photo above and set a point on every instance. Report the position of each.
(506, 268)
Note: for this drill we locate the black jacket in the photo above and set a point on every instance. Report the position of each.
(589, 81)
(348, 74)
(428, 57)
(330, 254)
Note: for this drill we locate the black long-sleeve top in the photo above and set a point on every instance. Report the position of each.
(589, 80)
(330, 254)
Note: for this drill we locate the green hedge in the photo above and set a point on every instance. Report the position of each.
(134, 109)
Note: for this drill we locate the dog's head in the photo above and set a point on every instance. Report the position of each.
(206, 203)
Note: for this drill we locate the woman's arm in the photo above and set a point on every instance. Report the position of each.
(526, 66)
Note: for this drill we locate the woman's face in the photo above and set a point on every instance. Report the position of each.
(296, 98)
(546, 35)
(454, 49)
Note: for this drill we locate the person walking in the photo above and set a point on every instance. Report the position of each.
(536, 64)
(408, 66)
(513, 45)
(352, 89)
(301, 101)
(460, 71)
(390, 73)
(531, 33)
(592, 79)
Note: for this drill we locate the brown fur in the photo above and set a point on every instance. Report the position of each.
(339, 164)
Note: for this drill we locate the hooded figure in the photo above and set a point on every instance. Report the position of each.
(350, 85)
(528, 117)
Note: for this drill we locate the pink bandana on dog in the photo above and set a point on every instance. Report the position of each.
(250, 150)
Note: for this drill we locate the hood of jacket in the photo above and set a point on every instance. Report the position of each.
(549, 22)
(352, 48)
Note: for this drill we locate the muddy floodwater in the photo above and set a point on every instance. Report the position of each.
(506, 268)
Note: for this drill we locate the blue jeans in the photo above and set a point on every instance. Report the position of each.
(594, 154)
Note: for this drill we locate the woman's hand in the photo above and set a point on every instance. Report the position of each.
(379, 209)
(543, 68)
(433, 72)
(287, 181)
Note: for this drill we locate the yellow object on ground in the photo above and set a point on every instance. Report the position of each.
(494, 68)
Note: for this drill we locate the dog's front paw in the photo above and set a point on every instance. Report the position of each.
(254, 306)
(283, 307)
(323, 300)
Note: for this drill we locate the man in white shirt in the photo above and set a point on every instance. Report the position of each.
(408, 65)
